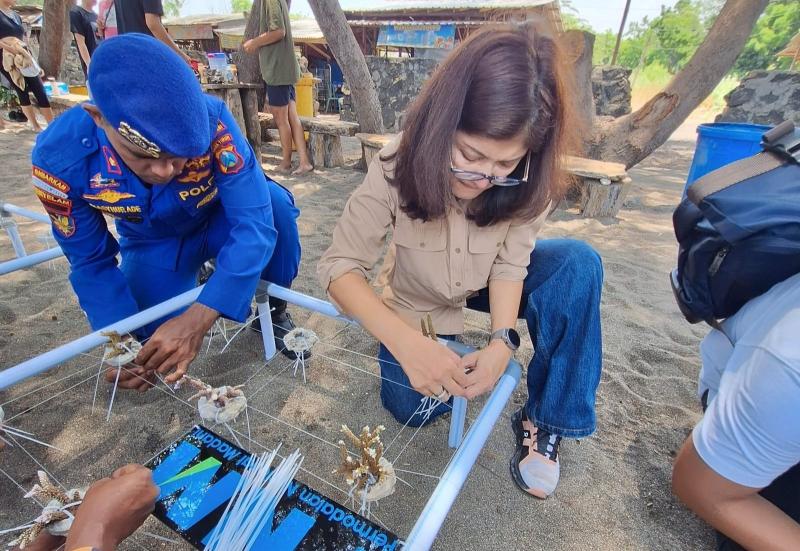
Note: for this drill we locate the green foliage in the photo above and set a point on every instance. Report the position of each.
(670, 39)
(172, 8)
(679, 31)
(603, 48)
(772, 32)
(241, 6)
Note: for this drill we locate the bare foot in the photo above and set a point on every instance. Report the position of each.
(283, 169)
(303, 169)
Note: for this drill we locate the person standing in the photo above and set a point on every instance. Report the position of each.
(13, 39)
(107, 20)
(144, 16)
(83, 25)
(280, 70)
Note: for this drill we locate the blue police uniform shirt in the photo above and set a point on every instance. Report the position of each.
(78, 177)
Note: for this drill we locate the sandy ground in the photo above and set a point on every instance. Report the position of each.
(615, 488)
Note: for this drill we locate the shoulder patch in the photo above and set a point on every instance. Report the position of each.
(228, 159)
(45, 181)
(64, 225)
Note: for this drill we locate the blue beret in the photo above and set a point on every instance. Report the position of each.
(150, 96)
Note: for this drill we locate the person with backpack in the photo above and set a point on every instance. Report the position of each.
(739, 231)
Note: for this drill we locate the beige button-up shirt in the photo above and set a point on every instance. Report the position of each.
(431, 267)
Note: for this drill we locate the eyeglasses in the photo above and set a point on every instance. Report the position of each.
(504, 181)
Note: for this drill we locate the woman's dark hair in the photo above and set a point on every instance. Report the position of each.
(502, 81)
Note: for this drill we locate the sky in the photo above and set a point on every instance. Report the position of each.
(601, 15)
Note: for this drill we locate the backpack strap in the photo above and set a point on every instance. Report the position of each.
(732, 174)
(784, 141)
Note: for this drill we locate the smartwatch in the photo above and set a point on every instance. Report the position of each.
(509, 336)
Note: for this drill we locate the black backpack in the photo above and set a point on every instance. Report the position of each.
(739, 230)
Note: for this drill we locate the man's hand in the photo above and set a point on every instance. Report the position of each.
(132, 377)
(250, 46)
(113, 509)
(175, 344)
(487, 365)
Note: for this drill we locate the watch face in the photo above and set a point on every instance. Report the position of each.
(513, 338)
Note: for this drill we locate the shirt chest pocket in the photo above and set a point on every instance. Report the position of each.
(421, 264)
(197, 197)
(484, 246)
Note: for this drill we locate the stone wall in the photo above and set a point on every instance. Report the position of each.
(611, 88)
(764, 97)
(398, 81)
(71, 71)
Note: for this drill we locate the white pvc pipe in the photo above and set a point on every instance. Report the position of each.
(30, 260)
(444, 495)
(57, 356)
(25, 213)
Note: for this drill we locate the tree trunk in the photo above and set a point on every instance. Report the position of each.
(631, 138)
(247, 65)
(342, 43)
(579, 46)
(54, 36)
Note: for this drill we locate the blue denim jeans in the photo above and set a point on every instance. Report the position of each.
(561, 305)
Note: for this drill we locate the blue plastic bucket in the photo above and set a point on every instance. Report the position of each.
(721, 143)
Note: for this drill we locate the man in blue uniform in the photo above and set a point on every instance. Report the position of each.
(171, 166)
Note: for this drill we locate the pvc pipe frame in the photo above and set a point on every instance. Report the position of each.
(23, 259)
(444, 495)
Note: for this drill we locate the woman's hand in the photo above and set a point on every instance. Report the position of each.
(487, 365)
(431, 367)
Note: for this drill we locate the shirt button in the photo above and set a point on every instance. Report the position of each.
(458, 249)
(86, 142)
(421, 243)
(459, 212)
(498, 243)
(458, 284)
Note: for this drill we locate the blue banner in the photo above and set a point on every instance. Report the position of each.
(418, 36)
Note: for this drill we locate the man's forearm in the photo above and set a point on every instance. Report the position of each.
(82, 49)
(157, 28)
(269, 37)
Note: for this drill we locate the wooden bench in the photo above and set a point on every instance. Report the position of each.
(371, 144)
(602, 186)
(325, 137)
(59, 104)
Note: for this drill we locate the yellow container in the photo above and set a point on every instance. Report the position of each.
(305, 97)
(79, 90)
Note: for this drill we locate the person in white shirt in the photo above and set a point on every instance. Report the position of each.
(740, 468)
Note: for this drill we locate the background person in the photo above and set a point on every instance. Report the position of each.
(281, 71)
(83, 25)
(144, 16)
(11, 27)
(107, 19)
